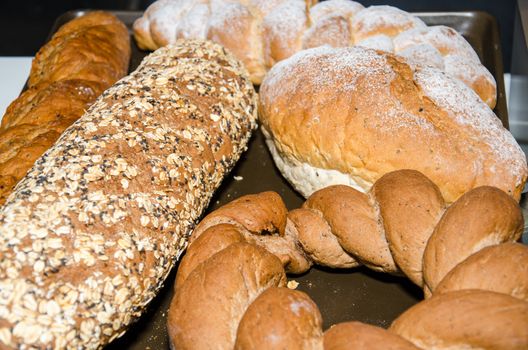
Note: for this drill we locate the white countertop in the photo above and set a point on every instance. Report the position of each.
(14, 72)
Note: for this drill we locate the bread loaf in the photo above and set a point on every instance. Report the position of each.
(83, 58)
(91, 232)
(350, 115)
(466, 319)
(262, 33)
(93, 47)
(402, 221)
(280, 318)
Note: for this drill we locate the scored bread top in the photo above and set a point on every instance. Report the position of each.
(364, 113)
(91, 232)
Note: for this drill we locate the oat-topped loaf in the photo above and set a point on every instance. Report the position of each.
(93, 229)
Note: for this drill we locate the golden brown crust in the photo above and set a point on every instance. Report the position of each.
(482, 217)
(360, 336)
(206, 310)
(466, 319)
(263, 212)
(280, 318)
(410, 206)
(354, 222)
(96, 48)
(316, 239)
(501, 268)
(210, 242)
(330, 121)
(61, 102)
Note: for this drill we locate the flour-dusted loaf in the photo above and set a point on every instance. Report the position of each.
(261, 33)
(91, 232)
(350, 115)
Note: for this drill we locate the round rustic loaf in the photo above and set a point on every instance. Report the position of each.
(350, 115)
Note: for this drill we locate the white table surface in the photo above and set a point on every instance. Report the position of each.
(13, 75)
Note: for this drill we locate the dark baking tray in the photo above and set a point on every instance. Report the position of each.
(342, 295)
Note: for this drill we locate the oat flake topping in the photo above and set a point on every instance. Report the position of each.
(89, 235)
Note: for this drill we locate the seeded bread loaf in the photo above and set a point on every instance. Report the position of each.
(91, 232)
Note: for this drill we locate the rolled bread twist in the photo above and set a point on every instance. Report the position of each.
(262, 32)
(402, 225)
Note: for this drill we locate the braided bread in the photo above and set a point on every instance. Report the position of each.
(350, 115)
(402, 225)
(261, 33)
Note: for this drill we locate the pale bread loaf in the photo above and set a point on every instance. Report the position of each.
(91, 232)
(263, 32)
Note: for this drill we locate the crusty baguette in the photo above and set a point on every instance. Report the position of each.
(91, 232)
(67, 75)
(261, 33)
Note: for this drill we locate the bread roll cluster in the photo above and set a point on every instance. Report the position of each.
(90, 234)
(262, 33)
(403, 225)
(82, 59)
(350, 115)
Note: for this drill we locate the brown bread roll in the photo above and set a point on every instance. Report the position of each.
(501, 268)
(206, 310)
(91, 232)
(359, 336)
(466, 319)
(280, 318)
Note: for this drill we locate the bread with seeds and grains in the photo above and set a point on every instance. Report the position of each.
(91, 232)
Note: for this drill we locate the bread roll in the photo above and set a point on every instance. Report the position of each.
(480, 218)
(280, 318)
(466, 319)
(367, 113)
(501, 268)
(206, 311)
(360, 336)
(91, 232)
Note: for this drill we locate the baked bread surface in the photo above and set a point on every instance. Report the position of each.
(83, 58)
(91, 232)
(261, 33)
(350, 115)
